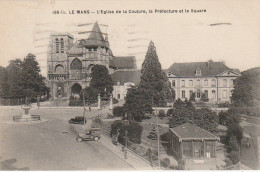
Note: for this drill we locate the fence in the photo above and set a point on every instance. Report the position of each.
(148, 155)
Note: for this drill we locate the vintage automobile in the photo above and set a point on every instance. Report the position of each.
(77, 120)
(91, 134)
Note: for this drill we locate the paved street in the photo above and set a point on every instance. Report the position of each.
(250, 156)
(51, 145)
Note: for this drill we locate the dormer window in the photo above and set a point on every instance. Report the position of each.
(198, 72)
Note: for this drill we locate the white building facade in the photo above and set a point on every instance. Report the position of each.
(213, 79)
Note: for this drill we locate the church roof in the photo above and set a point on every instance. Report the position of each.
(209, 68)
(188, 131)
(95, 38)
(126, 76)
(76, 49)
(123, 62)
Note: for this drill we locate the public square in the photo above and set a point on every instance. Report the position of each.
(51, 145)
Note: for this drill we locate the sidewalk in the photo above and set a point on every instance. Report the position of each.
(134, 161)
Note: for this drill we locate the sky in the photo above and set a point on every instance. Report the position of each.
(25, 27)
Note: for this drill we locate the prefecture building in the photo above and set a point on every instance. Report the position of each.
(214, 79)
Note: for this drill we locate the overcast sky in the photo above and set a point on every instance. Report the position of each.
(25, 27)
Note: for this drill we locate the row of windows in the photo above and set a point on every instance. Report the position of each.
(198, 83)
(199, 94)
(59, 45)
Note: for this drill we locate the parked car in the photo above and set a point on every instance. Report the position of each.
(77, 120)
(91, 134)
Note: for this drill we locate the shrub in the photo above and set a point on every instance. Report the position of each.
(115, 126)
(166, 137)
(204, 98)
(222, 118)
(192, 97)
(169, 112)
(161, 114)
(165, 162)
(234, 157)
(115, 101)
(133, 129)
(74, 102)
(181, 164)
(226, 105)
(110, 116)
(98, 121)
(119, 111)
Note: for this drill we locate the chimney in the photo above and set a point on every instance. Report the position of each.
(209, 63)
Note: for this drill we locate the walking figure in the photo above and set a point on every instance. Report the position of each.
(247, 143)
(125, 153)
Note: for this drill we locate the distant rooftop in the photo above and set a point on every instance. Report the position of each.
(208, 68)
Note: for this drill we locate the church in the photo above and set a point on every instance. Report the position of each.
(69, 62)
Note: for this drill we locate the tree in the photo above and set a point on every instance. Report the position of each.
(153, 79)
(15, 80)
(134, 131)
(4, 86)
(234, 129)
(32, 81)
(119, 111)
(246, 88)
(137, 103)
(184, 112)
(101, 80)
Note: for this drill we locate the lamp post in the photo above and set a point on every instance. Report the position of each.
(158, 139)
(84, 111)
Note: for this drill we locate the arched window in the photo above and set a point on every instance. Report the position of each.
(57, 45)
(61, 45)
(76, 64)
(205, 82)
(198, 82)
(59, 69)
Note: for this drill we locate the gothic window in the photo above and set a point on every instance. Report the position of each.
(57, 45)
(76, 64)
(59, 69)
(62, 45)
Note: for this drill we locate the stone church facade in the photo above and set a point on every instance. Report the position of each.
(69, 63)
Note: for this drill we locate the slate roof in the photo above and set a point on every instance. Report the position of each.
(189, 131)
(95, 38)
(126, 76)
(209, 68)
(76, 49)
(123, 62)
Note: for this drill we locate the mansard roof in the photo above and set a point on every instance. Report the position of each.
(209, 68)
(123, 62)
(95, 38)
(188, 131)
(126, 76)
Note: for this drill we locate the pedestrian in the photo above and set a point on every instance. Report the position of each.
(125, 153)
(38, 103)
(247, 143)
(89, 108)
